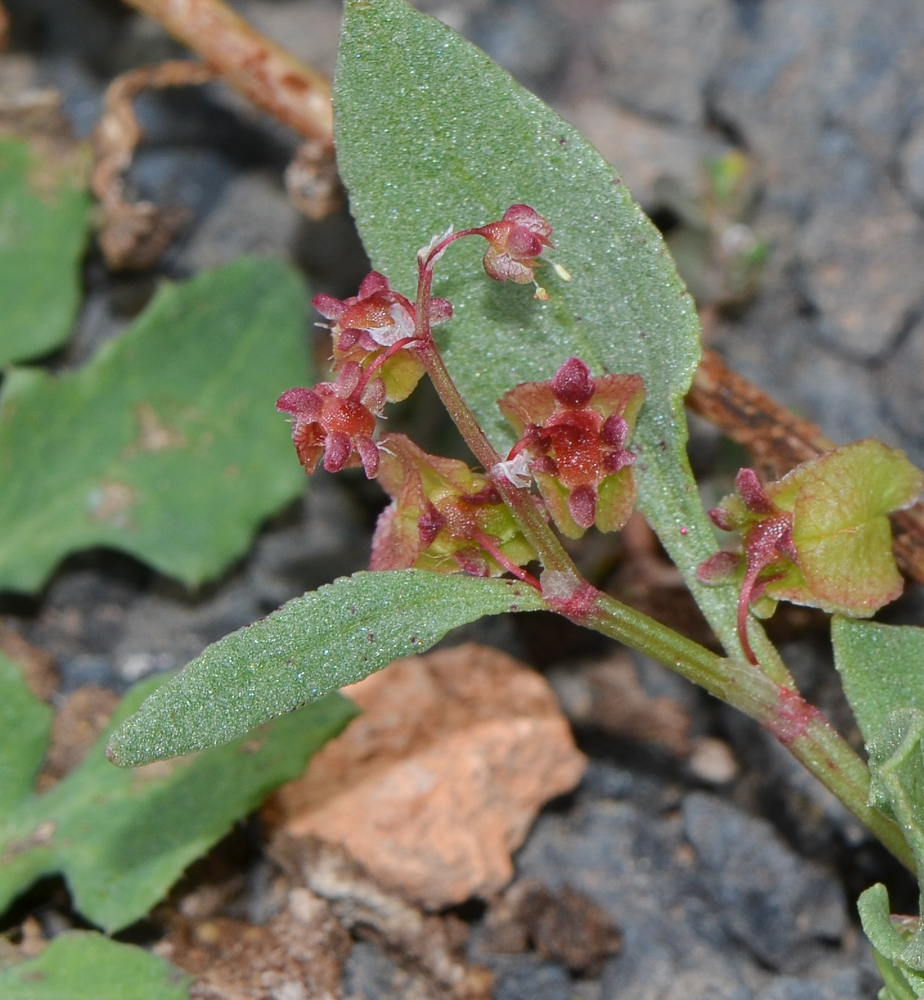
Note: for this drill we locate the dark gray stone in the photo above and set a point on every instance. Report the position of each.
(778, 905)
(645, 152)
(633, 865)
(912, 165)
(815, 87)
(253, 216)
(526, 37)
(526, 977)
(841, 986)
(660, 55)
(859, 264)
(899, 383)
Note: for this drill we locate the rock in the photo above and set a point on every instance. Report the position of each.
(434, 786)
(858, 261)
(911, 159)
(685, 919)
(524, 36)
(817, 88)
(562, 926)
(777, 905)
(899, 383)
(634, 864)
(642, 151)
(528, 977)
(428, 945)
(608, 696)
(253, 216)
(841, 986)
(660, 55)
(713, 762)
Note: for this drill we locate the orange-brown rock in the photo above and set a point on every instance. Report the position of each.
(439, 780)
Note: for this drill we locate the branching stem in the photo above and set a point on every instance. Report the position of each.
(780, 709)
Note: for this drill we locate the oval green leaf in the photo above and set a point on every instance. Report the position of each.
(44, 222)
(81, 965)
(320, 642)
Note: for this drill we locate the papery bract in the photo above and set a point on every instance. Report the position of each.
(443, 516)
(336, 420)
(575, 428)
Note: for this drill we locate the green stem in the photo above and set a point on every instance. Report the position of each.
(799, 726)
(778, 707)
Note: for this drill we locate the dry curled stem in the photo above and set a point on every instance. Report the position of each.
(4, 27)
(264, 72)
(778, 441)
(134, 235)
(273, 80)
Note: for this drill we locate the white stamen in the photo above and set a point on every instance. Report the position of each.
(514, 470)
(424, 252)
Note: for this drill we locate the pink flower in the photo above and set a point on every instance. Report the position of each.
(375, 320)
(767, 544)
(337, 421)
(515, 244)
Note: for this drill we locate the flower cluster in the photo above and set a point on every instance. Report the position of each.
(574, 430)
(371, 328)
(443, 516)
(820, 536)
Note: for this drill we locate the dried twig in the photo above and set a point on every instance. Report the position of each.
(134, 235)
(4, 27)
(264, 72)
(778, 440)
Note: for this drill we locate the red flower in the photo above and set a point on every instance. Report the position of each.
(820, 536)
(515, 243)
(768, 546)
(574, 429)
(335, 420)
(373, 321)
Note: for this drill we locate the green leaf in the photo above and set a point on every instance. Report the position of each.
(840, 502)
(430, 133)
(81, 965)
(25, 726)
(888, 943)
(122, 838)
(332, 637)
(896, 763)
(167, 445)
(880, 666)
(44, 220)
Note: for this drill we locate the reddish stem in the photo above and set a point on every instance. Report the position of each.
(493, 550)
(378, 362)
